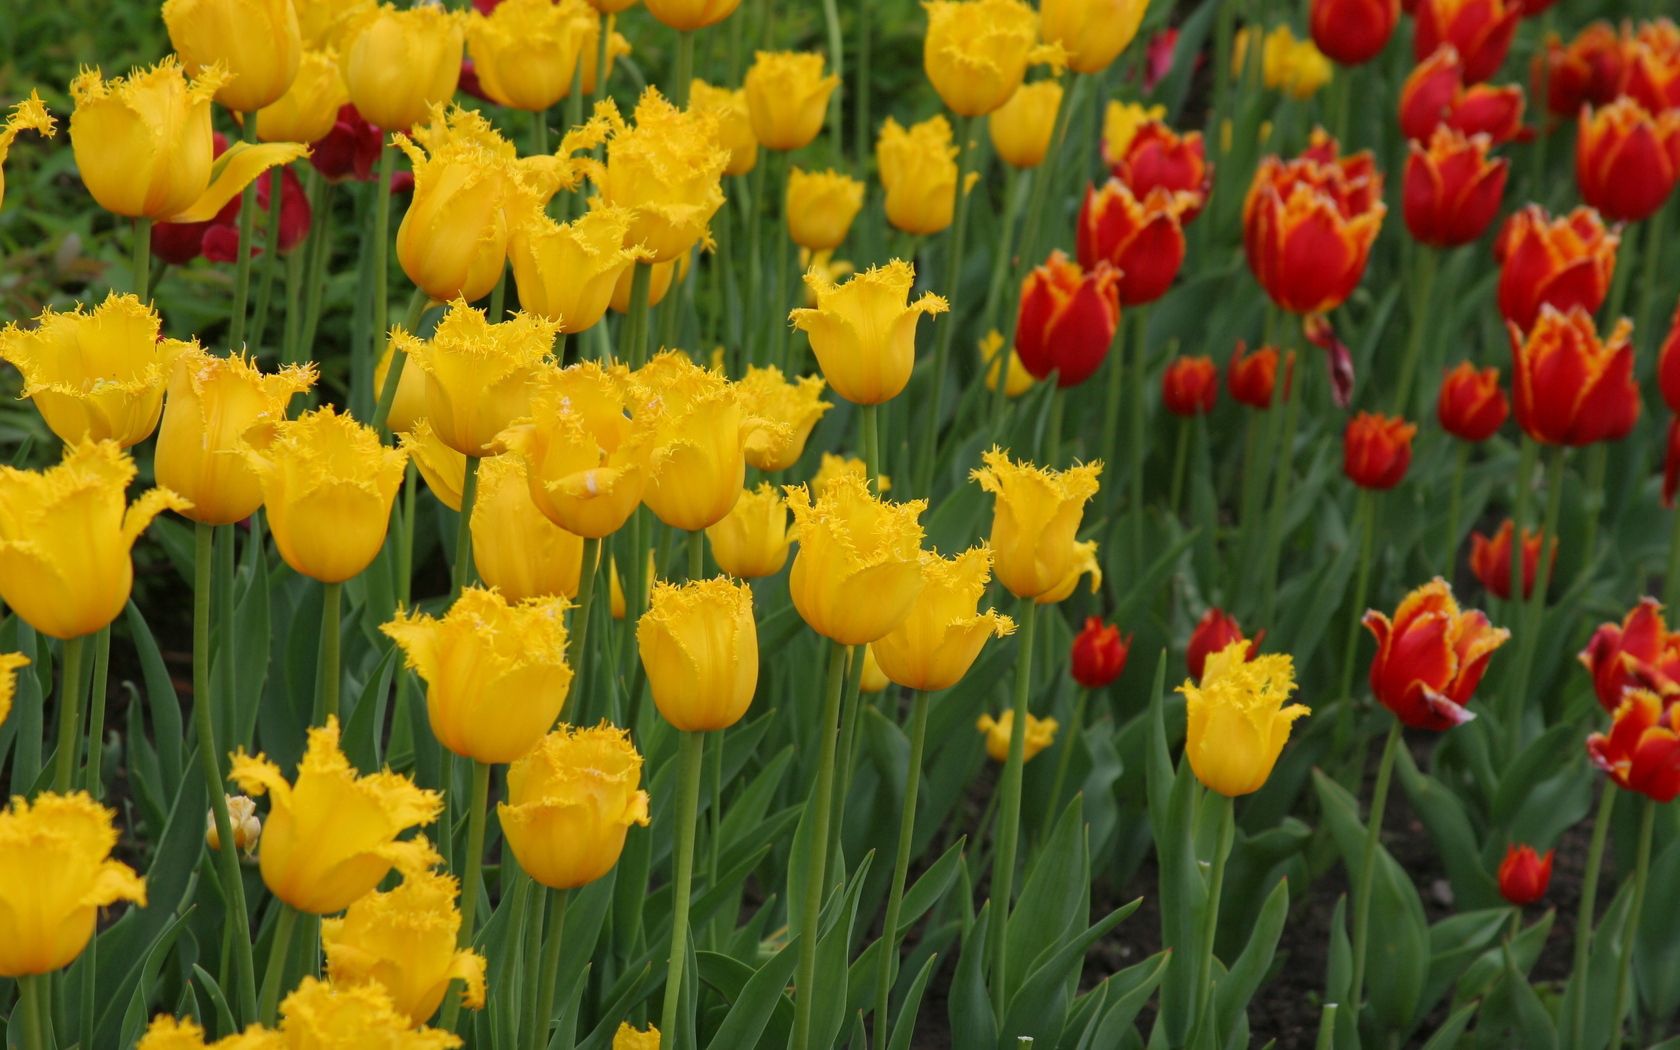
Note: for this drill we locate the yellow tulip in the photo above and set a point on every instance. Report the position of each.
(326, 24)
(65, 538)
(400, 62)
(1239, 717)
(1041, 733)
(9, 665)
(617, 48)
(976, 51)
(787, 97)
(213, 402)
(479, 376)
(144, 150)
(327, 483)
(308, 111)
(699, 646)
(1092, 33)
(28, 115)
(247, 828)
(918, 169)
(567, 273)
(833, 467)
(526, 51)
(660, 279)
(1035, 521)
(697, 459)
(665, 170)
(516, 549)
(863, 332)
(56, 872)
(1018, 381)
(409, 405)
(329, 1014)
(735, 129)
(585, 460)
(836, 269)
(1121, 122)
(617, 586)
(780, 415)
(1289, 64)
(820, 207)
(404, 941)
(571, 801)
(691, 14)
(627, 1038)
(942, 637)
(752, 542)
(612, 7)
(256, 41)
(1083, 563)
(97, 374)
(444, 469)
(331, 835)
(495, 673)
(1021, 128)
(872, 679)
(858, 570)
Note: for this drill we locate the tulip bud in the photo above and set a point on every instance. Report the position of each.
(1564, 263)
(787, 97)
(1524, 875)
(400, 62)
(1353, 32)
(1431, 657)
(256, 41)
(1571, 387)
(820, 208)
(1021, 128)
(872, 679)
(571, 801)
(1652, 76)
(480, 377)
(943, 634)
(1325, 206)
(1451, 190)
(918, 170)
(1190, 386)
(308, 111)
(1252, 378)
(976, 51)
(699, 646)
(1490, 560)
(1589, 71)
(1626, 159)
(780, 415)
(526, 52)
(833, 468)
(753, 541)
(735, 130)
(1238, 718)
(1481, 30)
(665, 170)
(857, 572)
(684, 15)
(1638, 652)
(627, 1038)
(1472, 405)
(1018, 380)
(1091, 32)
(1067, 319)
(1377, 449)
(242, 815)
(1041, 733)
(1216, 630)
(1642, 750)
(1142, 238)
(863, 332)
(1099, 653)
(1035, 521)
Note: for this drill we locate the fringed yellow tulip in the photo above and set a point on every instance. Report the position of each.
(256, 41)
(1041, 733)
(918, 169)
(329, 1014)
(144, 150)
(9, 665)
(1035, 522)
(65, 538)
(863, 332)
(567, 273)
(308, 110)
(872, 679)
(660, 278)
(400, 62)
(97, 374)
(1018, 381)
(213, 402)
(327, 483)
(1239, 718)
(691, 14)
(404, 941)
(1092, 33)
(787, 97)
(794, 407)
(526, 52)
(1021, 128)
(1083, 563)
(942, 637)
(585, 460)
(56, 872)
(752, 542)
(571, 801)
(617, 586)
(665, 170)
(28, 115)
(858, 570)
(495, 672)
(976, 51)
(833, 467)
(444, 469)
(627, 1038)
(699, 646)
(409, 406)
(516, 549)
(331, 835)
(820, 208)
(479, 376)
(735, 129)
(697, 462)
(325, 24)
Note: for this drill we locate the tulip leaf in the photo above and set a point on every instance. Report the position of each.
(1446, 1036)
(162, 704)
(1532, 1021)
(829, 1015)
(972, 1021)
(932, 885)
(1656, 958)
(1179, 888)
(756, 997)
(366, 721)
(1053, 897)
(1479, 976)
(1039, 1008)
(1455, 840)
(586, 912)
(1454, 943)
(1242, 979)
(904, 1025)
(628, 992)
(1125, 994)
(145, 978)
(224, 1015)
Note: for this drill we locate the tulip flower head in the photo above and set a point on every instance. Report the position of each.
(1627, 160)
(820, 208)
(1091, 33)
(247, 828)
(571, 801)
(1640, 652)
(1451, 191)
(1017, 380)
(1157, 157)
(1564, 263)
(1214, 632)
(918, 170)
(681, 15)
(1589, 70)
(330, 1013)
(780, 415)
(1481, 30)
(308, 111)
(480, 377)
(1252, 378)
(863, 332)
(1288, 64)
(976, 52)
(526, 52)
(787, 97)
(28, 115)
(1035, 521)
(699, 646)
(331, 835)
(1472, 405)
(1642, 750)
(1652, 65)
(58, 874)
(443, 469)
(1067, 319)
(1431, 657)
(1524, 875)
(225, 33)
(400, 62)
(1435, 95)
(943, 634)
(833, 467)
(1239, 718)
(858, 569)
(1352, 32)
(1190, 386)
(1021, 128)
(696, 461)
(1571, 387)
(1041, 733)
(753, 541)
(1142, 238)
(1377, 449)
(10, 663)
(516, 549)
(1099, 653)
(666, 171)
(628, 1038)
(1490, 559)
(566, 273)
(1668, 364)
(1309, 223)
(1671, 463)
(734, 123)
(1122, 121)
(325, 24)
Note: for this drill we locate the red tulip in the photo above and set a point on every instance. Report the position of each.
(1642, 751)
(1451, 190)
(1626, 160)
(351, 149)
(1158, 57)
(1377, 449)
(1651, 74)
(1668, 364)
(1099, 653)
(1435, 94)
(1213, 632)
(1565, 263)
(1588, 71)
(1571, 388)
(1431, 657)
(1160, 158)
(1142, 239)
(1190, 386)
(1640, 652)
(1067, 319)
(1252, 378)
(1490, 559)
(1471, 406)
(1671, 463)
(1353, 31)
(1524, 875)
(1480, 29)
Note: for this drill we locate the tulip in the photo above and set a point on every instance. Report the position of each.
(443, 468)
(872, 679)
(1472, 406)
(65, 538)
(857, 572)
(1159, 158)
(780, 415)
(1122, 121)
(665, 171)
(479, 376)
(1353, 32)
(321, 1013)
(9, 665)
(820, 207)
(1452, 190)
(400, 62)
(328, 484)
(944, 632)
(1590, 70)
(735, 129)
(1642, 750)
(699, 646)
(1083, 563)
(324, 24)
(308, 111)
(1524, 875)
(1430, 657)
(1190, 386)
(752, 542)
(1640, 652)
(96, 375)
(256, 42)
(331, 834)
(1092, 33)
(516, 549)
(1021, 128)
(1668, 364)
(1017, 380)
(1067, 319)
(918, 171)
(1308, 226)
(1035, 520)
(787, 97)
(628, 1038)
(1099, 653)
(1565, 263)
(834, 467)
(1239, 718)
(571, 801)
(1252, 378)
(58, 848)
(242, 816)
(863, 332)
(1041, 733)
(1377, 449)
(1490, 559)
(526, 52)
(1435, 94)
(1652, 76)
(1572, 388)
(28, 115)
(976, 51)
(1671, 463)
(697, 459)
(1626, 159)
(682, 15)
(350, 151)
(1142, 238)
(1215, 631)
(566, 273)
(1287, 64)
(1481, 30)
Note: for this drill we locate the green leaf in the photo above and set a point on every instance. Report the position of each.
(760, 999)
(1456, 840)
(224, 1015)
(904, 1027)
(1053, 898)
(970, 1006)
(1446, 1036)
(829, 1013)
(1232, 994)
(1038, 1010)
(1126, 993)
(162, 703)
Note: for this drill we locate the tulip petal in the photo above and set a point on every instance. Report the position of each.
(236, 169)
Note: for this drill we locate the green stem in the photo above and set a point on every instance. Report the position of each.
(1210, 913)
(928, 447)
(820, 807)
(1671, 578)
(869, 438)
(1283, 465)
(285, 925)
(1140, 371)
(399, 358)
(1064, 760)
(1455, 509)
(227, 650)
(382, 274)
(477, 817)
(688, 807)
(69, 715)
(836, 58)
(860, 137)
(1053, 427)
(1533, 605)
(685, 69)
(1368, 863)
(327, 677)
(295, 260)
(462, 568)
(901, 865)
(696, 554)
(242, 267)
(1624, 965)
(320, 252)
(550, 969)
(1181, 453)
(96, 710)
(1009, 808)
(1366, 517)
(271, 258)
(1424, 267)
(1593, 506)
(579, 656)
(142, 266)
(1577, 1006)
(498, 298)
(34, 1002)
(636, 321)
(1000, 257)
(1651, 257)
(603, 40)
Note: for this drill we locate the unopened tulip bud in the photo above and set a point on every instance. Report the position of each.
(242, 815)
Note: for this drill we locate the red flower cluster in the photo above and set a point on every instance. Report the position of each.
(1431, 657)
(1626, 159)
(1603, 63)
(1451, 190)
(1160, 158)
(1353, 32)
(1435, 94)
(1143, 239)
(1481, 30)
(1524, 875)
(1309, 223)
(1471, 405)
(1638, 653)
